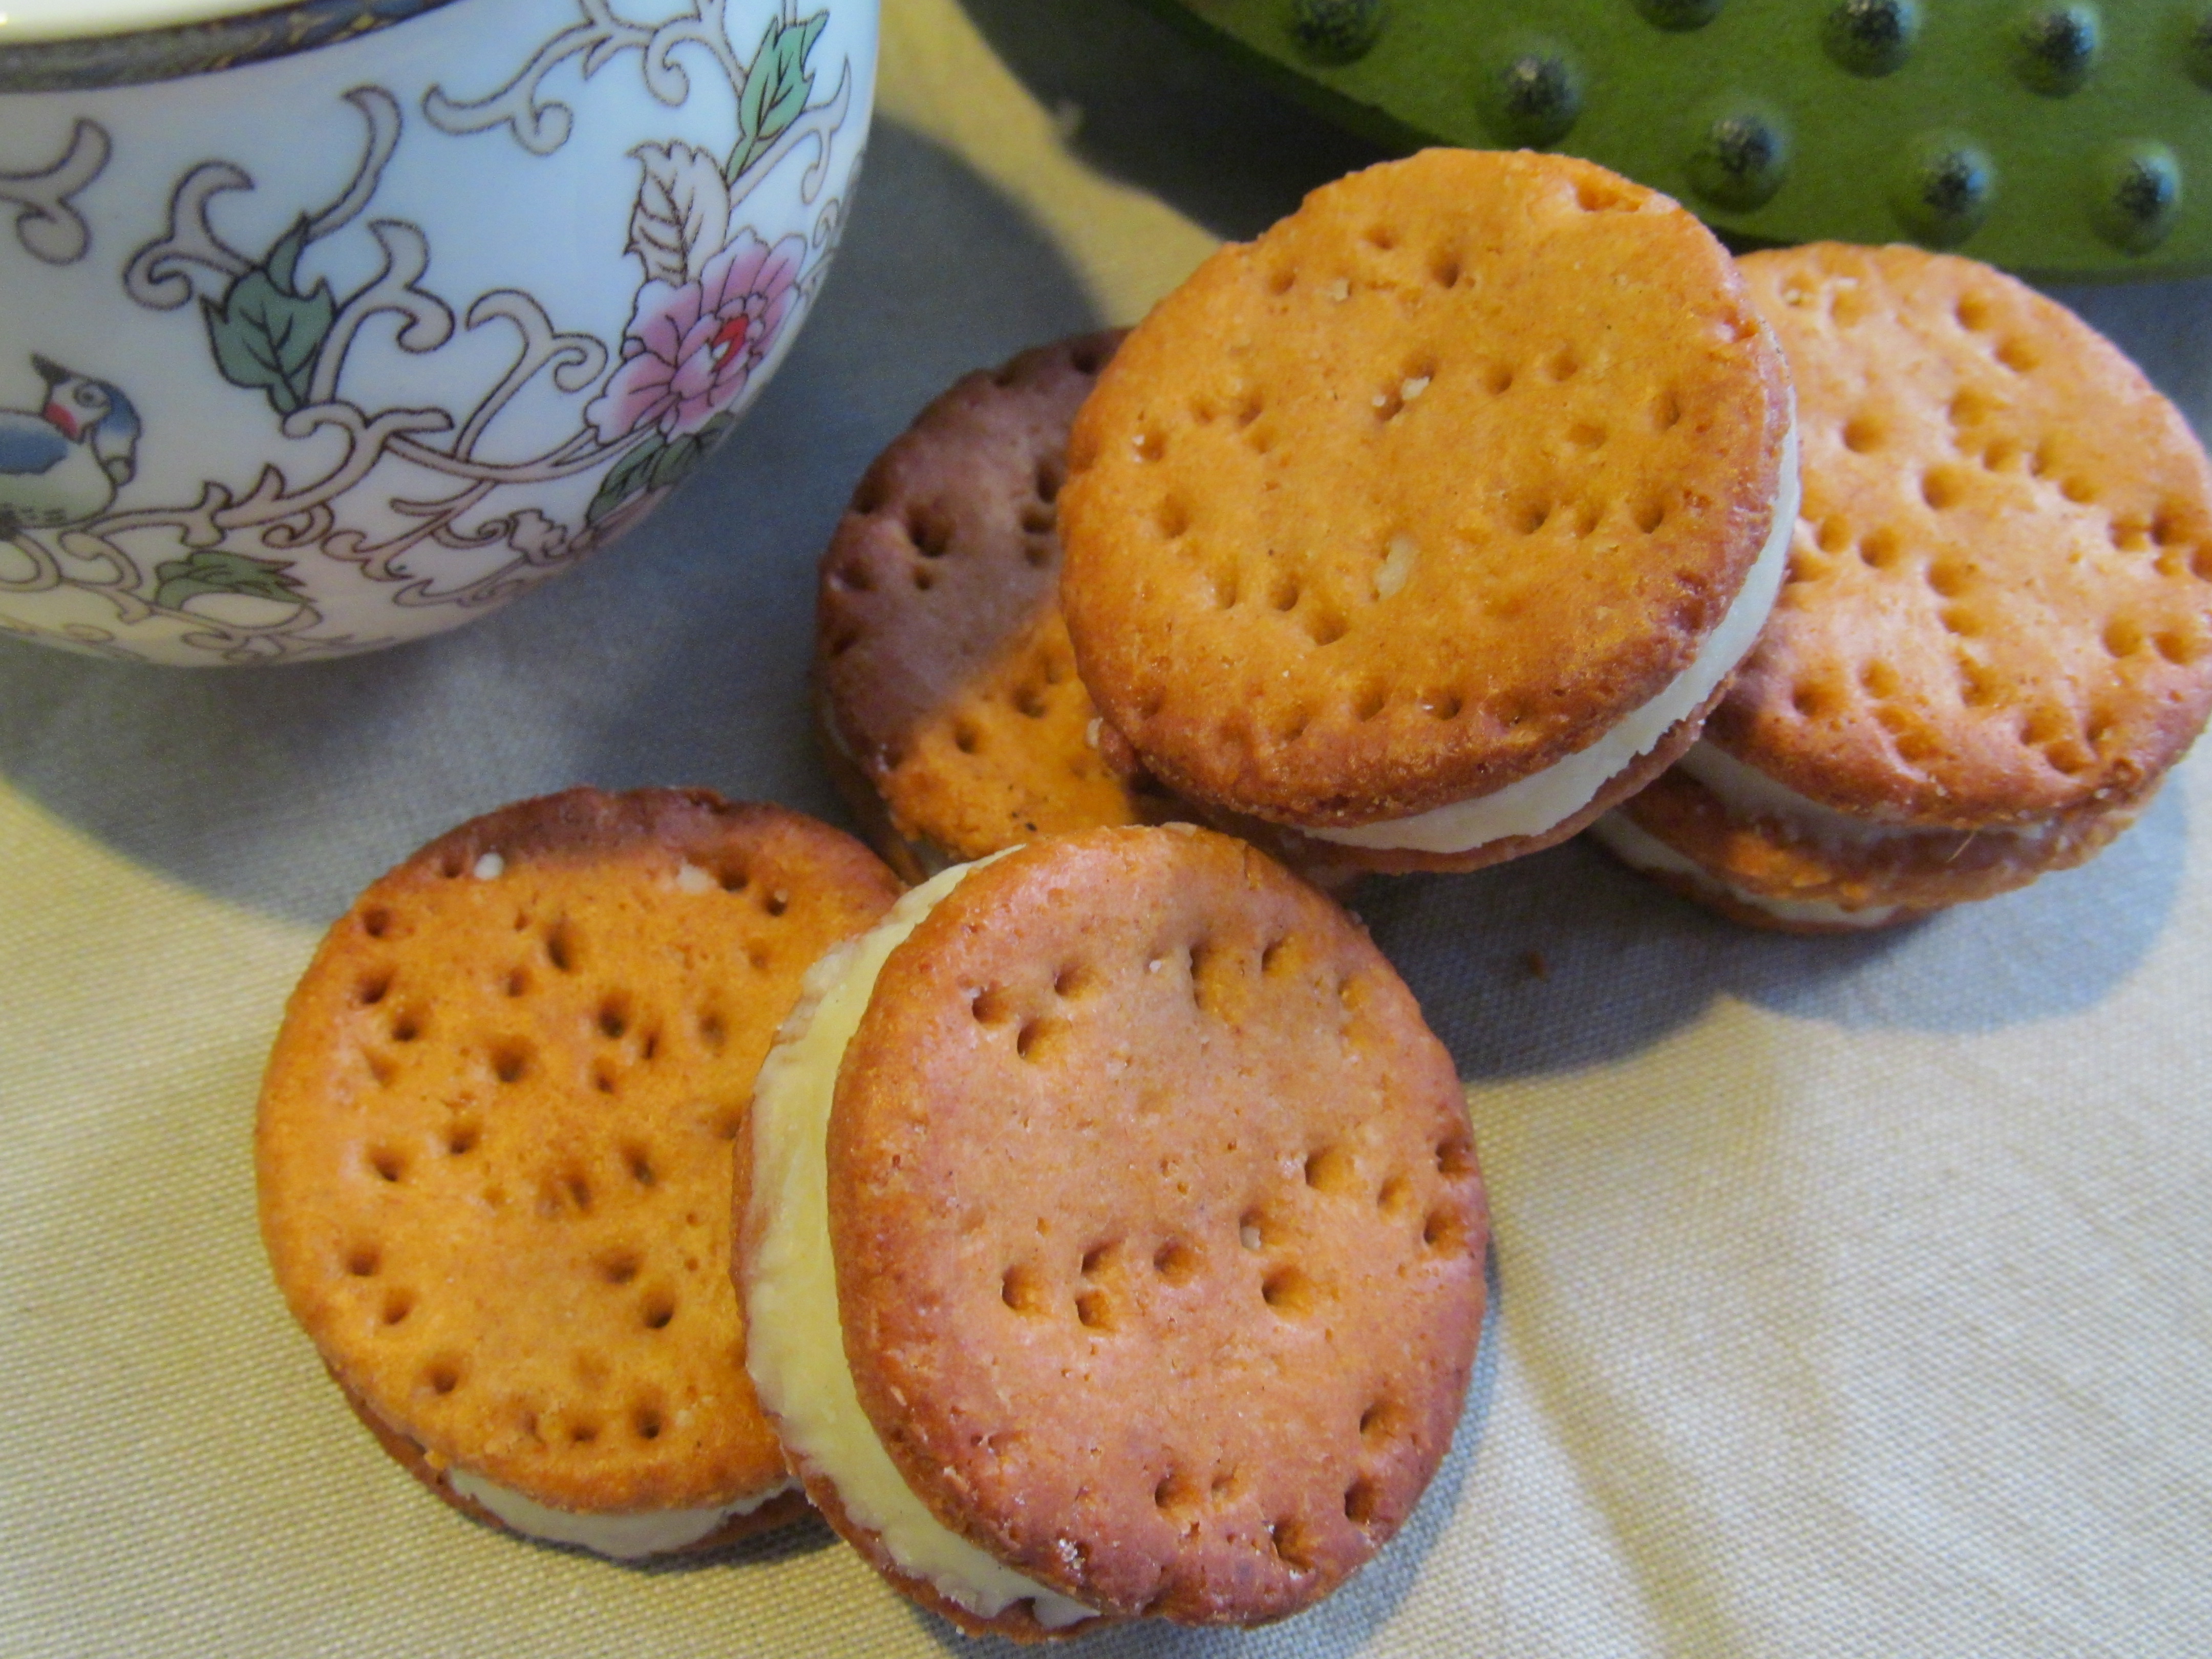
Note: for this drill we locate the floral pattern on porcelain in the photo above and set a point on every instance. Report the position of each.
(691, 350)
(417, 458)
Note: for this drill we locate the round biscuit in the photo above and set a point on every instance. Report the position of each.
(947, 694)
(1159, 1231)
(2000, 601)
(494, 1140)
(1423, 491)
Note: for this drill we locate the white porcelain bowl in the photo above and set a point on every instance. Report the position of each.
(411, 304)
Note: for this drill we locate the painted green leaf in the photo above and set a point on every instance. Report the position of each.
(675, 463)
(626, 478)
(657, 463)
(211, 570)
(776, 87)
(283, 261)
(266, 335)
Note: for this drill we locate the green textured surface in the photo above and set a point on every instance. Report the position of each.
(2060, 140)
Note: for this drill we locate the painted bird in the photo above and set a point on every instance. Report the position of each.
(64, 464)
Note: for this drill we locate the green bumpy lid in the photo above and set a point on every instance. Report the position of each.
(2067, 140)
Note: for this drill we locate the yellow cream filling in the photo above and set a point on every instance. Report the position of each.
(795, 1345)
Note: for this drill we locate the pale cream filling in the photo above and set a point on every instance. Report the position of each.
(1748, 793)
(623, 1537)
(1640, 849)
(794, 1344)
(1545, 799)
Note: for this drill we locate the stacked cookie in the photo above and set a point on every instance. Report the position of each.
(1997, 635)
(1101, 1236)
(952, 716)
(1422, 530)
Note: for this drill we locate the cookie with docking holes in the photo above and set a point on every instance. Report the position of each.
(1112, 1240)
(950, 714)
(1997, 635)
(951, 717)
(1430, 523)
(493, 1154)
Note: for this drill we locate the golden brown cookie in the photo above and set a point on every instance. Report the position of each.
(1113, 1238)
(493, 1152)
(1997, 635)
(1428, 514)
(950, 708)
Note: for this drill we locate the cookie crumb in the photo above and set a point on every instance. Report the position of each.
(1538, 964)
(1397, 566)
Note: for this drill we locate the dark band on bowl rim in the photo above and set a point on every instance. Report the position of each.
(136, 56)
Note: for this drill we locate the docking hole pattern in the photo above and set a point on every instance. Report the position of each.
(1211, 542)
(991, 745)
(1206, 1230)
(2026, 604)
(552, 1145)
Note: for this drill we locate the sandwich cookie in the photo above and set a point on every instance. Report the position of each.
(493, 1154)
(1112, 1241)
(1430, 523)
(1996, 636)
(952, 716)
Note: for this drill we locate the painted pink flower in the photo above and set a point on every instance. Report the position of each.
(691, 350)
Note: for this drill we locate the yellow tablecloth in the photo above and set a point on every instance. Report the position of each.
(1852, 1296)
